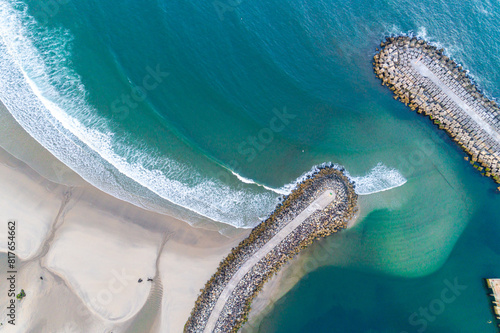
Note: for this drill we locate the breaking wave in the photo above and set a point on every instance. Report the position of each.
(379, 179)
(37, 86)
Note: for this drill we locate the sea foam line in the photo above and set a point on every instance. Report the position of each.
(40, 108)
(37, 96)
(379, 179)
(284, 190)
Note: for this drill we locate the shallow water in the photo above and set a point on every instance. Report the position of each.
(211, 111)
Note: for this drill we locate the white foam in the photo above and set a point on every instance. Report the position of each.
(284, 190)
(39, 88)
(38, 96)
(243, 179)
(451, 48)
(421, 33)
(379, 179)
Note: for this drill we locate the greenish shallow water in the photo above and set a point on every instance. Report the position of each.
(158, 102)
(349, 297)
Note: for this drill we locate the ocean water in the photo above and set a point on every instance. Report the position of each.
(210, 111)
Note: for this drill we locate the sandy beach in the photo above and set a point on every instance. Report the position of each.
(81, 254)
(82, 249)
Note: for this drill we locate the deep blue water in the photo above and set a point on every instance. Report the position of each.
(207, 111)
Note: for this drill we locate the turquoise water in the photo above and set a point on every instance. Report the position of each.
(353, 296)
(210, 111)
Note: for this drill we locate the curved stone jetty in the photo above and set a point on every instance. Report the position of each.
(319, 206)
(431, 83)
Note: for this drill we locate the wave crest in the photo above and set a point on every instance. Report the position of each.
(380, 178)
(39, 88)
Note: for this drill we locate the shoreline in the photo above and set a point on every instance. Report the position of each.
(188, 249)
(71, 257)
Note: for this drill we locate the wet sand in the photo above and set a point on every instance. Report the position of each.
(91, 250)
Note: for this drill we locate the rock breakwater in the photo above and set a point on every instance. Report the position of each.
(427, 81)
(319, 206)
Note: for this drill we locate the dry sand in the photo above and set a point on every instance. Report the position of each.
(91, 249)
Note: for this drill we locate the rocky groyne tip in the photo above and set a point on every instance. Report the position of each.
(427, 81)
